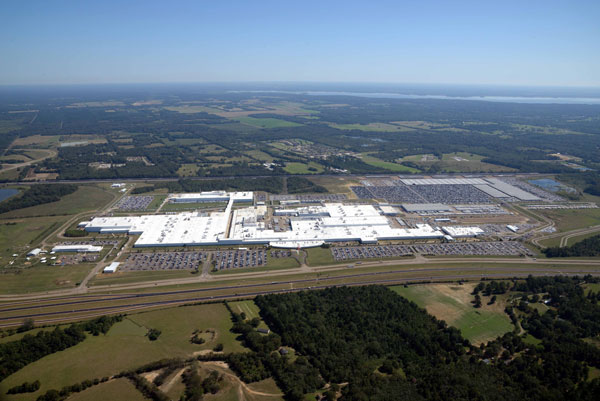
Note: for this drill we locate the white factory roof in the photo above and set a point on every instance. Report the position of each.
(461, 231)
(111, 268)
(510, 190)
(389, 210)
(332, 222)
(76, 248)
(426, 207)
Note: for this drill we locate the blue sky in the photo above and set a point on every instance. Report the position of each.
(461, 42)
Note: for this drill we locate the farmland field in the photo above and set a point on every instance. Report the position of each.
(43, 278)
(85, 198)
(303, 168)
(452, 303)
(266, 122)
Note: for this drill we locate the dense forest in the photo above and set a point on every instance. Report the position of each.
(588, 247)
(376, 345)
(37, 195)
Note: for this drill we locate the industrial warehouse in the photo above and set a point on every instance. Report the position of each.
(309, 226)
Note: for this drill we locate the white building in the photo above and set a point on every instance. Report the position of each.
(34, 252)
(462, 232)
(76, 248)
(111, 268)
(512, 228)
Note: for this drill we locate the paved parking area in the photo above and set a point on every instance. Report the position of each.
(497, 248)
(239, 258)
(493, 248)
(163, 261)
(135, 202)
(452, 194)
(280, 254)
(369, 252)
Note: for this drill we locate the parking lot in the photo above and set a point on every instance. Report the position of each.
(163, 261)
(495, 248)
(239, 258)
(499, 248)
(280, 254)
(452, 194)
(370, 252)
(135, 202)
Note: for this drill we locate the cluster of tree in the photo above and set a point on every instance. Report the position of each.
(17, 354)
(196, 387)
(153, 334)
(587, 247)
(75, 233)
(267, 184)
(492, 287)
(166, 371)
(25, 387)
(38, 195)
(296, 185)
(148, 390)
(142, 190)
(65, 392)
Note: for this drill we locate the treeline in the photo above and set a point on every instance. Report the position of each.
(38, 195)
(272, 185)
(17, 354)
(587, 247)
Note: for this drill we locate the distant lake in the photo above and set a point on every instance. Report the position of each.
(502, 99)
(6, 193)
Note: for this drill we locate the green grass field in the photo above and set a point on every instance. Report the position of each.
(452, 303)
(87, 197)
(303, 168)
(572, 219)
(126, 347)
(20, 235)
(134, 277)
(319, 256)
(272, 264)
(44, 278)
(266, 122)
(156, 202)
(117, 389)
(188, 170)
(374, 161)
(259, 155)
(250, 309)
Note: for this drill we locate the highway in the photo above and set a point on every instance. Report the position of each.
(78, 307)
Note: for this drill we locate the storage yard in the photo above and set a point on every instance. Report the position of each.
(163, 261)
(135, 202)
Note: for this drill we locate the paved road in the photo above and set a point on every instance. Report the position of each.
(49, 317)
